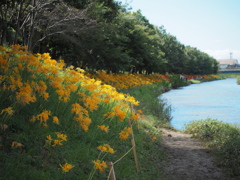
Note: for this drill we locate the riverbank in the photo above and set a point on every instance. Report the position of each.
(187, 157)
(207, 149)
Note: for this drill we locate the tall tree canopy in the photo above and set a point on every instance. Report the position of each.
(99, 35)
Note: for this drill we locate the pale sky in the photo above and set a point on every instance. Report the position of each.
(212, 26)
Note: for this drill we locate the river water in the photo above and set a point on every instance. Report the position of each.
(218, 99)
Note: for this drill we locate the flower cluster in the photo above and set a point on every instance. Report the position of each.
(8, 110)
(54, 142)
(104, 128)
(196, 77)
(66, 167)
(100, 165)
(106, 148)
(125, 133)
(125, 81)
(16, 144)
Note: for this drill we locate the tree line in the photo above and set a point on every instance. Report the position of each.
(99, 35)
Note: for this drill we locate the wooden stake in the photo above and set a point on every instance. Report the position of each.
(112, 173)
(135, 152)
(134, 147)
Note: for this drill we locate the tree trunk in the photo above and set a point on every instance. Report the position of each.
(31, 28)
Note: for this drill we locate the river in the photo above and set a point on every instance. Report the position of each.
(218, 99)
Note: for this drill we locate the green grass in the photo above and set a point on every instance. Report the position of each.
(151, 105)
(223, 138)
(229, 75)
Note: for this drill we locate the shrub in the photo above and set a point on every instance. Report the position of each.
(224, 138)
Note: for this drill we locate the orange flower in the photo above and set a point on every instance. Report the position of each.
(84, 122)
(62, 136)
(134, 116)
(44, 116)
(103, 128)
(106, 148)
(154, 138)
(66, 167)
(57, 142)
(55, 120)
(100, 165)
(49, 138)
(109, 114)
(125, 133)
(121, 114)
(25, 95)
(8, 110)
(16, 144)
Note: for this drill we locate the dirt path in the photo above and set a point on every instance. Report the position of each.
(188, 159)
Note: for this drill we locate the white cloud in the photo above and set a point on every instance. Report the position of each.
(224, 54)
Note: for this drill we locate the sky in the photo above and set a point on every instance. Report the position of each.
(212, 26)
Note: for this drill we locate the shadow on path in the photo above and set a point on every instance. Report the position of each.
(188, 159)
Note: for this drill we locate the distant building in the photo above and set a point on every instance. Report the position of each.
(228, 63)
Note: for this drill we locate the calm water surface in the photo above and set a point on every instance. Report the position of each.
(216, 99)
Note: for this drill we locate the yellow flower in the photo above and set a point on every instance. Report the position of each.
(25, 95)
(49, 138)
(7, 110)
(57, 142)
(44, 116)
(109, 114)
(62, 136)
(106, 148)
(71, 87)
(55, 120)
(107, 101)
(134, 116)
(16, 144)
(76, 108)
(84, 122)
(121, 114)
(100, 165)
(103, 128)
(60, 92)
(125, 133)
(45, 95)
(91, 102)
(154, 138)
(66, 167)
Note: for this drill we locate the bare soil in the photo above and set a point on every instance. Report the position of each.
(188, 158)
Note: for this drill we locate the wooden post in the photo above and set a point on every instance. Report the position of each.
(112, 173)
(135, 153)
(133, 142)
(134, 147)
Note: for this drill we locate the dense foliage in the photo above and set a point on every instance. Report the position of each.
(99, 35)
(224, 138)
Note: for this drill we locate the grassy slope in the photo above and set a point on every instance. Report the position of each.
(28, 151)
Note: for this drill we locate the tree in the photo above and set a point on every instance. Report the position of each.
(35, 20)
